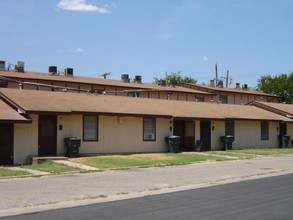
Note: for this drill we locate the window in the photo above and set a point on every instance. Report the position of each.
(90, 128)
(199, 99)
(229, 128)
(149, 129)
(223, 99)
(264, 130)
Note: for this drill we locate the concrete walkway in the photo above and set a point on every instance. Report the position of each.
(81, 166)
(30, 171)
(26, 195)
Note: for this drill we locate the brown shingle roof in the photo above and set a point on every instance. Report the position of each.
(96, 81)
(8, 114)
(279, 108)
(73, 103)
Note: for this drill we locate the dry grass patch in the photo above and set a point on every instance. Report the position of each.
(144, 160)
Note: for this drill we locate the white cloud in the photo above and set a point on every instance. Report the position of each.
(81, 5)
(77, 50)
(205, 59)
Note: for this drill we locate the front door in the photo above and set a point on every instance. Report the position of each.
(6, 144)
(185, 129)
(47, 135)
(283, 128)
(205, 135)
(189, 139)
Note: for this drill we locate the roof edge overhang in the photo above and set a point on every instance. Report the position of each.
(254, 119)
(99, 113)
(28, 121)
(271, 109)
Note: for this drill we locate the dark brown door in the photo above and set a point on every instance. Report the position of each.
(6, 144)
(47, 135)
(185, 129)
(283, 128)
(205, 135)
(179, 131)
(189, 140)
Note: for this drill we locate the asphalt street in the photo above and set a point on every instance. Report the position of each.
(267, 198)
(51, 192)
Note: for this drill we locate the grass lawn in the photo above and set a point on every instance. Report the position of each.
(51, 167)
(4, 172)
(144, 160)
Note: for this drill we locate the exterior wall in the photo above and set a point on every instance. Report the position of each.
(217, 130)
(71, 127)
(25, 140)
(242, 99)
(125, 135)
(248, 135)
(197, 130)
(116, 135)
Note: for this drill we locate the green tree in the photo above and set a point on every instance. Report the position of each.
(281, 85)
(175, 78)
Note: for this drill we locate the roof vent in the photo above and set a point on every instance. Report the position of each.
(2, 65)
(19, 66)
(68, 71)
(53, 70)
(125, 78)
(137, 79)
(236, 85)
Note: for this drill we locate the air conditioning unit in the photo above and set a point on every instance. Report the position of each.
(236, 85)
(2, 65)
(19, 66)
(68, 71)
(211, 83)
(149, 136)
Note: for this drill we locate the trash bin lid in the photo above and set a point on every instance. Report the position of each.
(174, 136)
(229, 136)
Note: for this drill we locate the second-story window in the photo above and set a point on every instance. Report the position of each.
(223, 99)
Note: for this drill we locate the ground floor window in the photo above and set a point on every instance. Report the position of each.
(264, 130)
(230, 128)
(149, 129)
(90, 128)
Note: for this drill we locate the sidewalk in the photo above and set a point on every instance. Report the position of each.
(47, 192)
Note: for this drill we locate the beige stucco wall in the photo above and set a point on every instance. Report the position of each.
(217, 130)
(71, 127)
(116, 135)
(248, 135)
(238, 98)
(25, 140)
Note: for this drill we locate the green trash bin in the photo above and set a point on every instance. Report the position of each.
(72, 145)
(284, 141)
(227, 142)
(174, 143)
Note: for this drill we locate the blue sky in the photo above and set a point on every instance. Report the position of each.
(250, 38)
